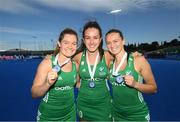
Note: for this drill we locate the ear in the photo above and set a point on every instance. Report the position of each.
(83, 40)
(101, 39)
(124, 42)
(58, 44)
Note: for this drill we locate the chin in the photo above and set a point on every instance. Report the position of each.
(92, 50)
(114, 52)
(69, 56)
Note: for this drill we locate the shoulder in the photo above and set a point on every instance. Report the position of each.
(140, 62)
(48, 56)
(108, 58)
(77, 57)
(139, 58)
(76, 65)
(45, 63)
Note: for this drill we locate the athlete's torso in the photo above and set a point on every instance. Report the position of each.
(59, 100)
(123, 95)
(101, 73)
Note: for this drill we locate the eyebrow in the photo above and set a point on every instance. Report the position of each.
(90, 36)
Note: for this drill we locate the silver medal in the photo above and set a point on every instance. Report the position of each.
(119, 79)
(91, 84)
(56, 68)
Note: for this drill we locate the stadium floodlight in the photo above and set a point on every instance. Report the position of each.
(115, 11)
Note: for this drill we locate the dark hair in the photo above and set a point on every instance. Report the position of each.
(61, 36)
(92, 24)
(115, 31)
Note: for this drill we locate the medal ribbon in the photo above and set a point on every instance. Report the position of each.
(91, 73)
(115, 71)
(56, 61)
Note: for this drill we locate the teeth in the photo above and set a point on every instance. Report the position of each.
(91, 45)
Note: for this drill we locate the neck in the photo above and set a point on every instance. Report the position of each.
(62, 58)
(92, 57)
(92, 53)
(119, 56)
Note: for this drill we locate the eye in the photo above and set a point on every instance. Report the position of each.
(108, 43)
(65, 42)
(115, 41)
(96, 37)
(86, 37)
(74, 43)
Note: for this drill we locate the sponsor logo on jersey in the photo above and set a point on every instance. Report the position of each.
(63, 88)
(117, 84)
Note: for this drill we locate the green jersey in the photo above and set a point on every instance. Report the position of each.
(128, 102)
(58, 103)
(94, 103)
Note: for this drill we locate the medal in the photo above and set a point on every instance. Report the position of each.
(119, 79)
(91, 84)
(92, 72)
(56, 68)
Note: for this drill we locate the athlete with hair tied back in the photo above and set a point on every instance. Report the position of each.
(55, 81)
(126, 76)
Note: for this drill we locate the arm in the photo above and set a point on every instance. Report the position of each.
(78, 83)
(143, 67)
(77, 58)
(43, 79)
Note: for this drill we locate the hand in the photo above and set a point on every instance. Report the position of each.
(129, 80)
(49, 56)
(136, 53)
(52, 77)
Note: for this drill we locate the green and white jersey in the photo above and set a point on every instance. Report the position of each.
(58, 103)
(94, 103)
(128, 102)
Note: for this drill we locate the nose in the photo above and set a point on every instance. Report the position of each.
(112, 45)
(91, 41)
(70, 46)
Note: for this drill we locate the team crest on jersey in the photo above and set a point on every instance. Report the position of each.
(101, 68)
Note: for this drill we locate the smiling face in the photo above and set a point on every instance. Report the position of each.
(115, 43)
(92, 39)
(68, 45)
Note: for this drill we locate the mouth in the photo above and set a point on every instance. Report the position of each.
(92, 46)
(113, 49)
(70, 51)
